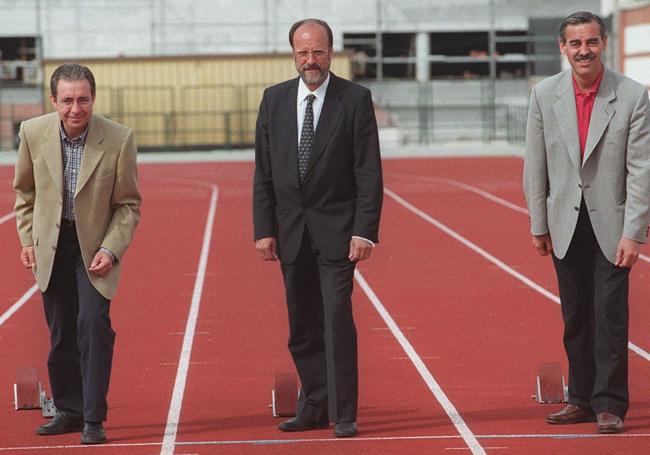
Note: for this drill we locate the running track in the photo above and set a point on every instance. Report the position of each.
(454, 312)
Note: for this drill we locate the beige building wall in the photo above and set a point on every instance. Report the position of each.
(189, 101)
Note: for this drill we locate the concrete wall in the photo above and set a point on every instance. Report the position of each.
(112, 28)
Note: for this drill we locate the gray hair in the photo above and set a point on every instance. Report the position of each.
(582, 17)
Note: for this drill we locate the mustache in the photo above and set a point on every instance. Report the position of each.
(585, 57)
(314, 66)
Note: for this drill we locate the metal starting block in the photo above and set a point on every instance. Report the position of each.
(284, 395)
(551, 387)
(29, 394)
(47, 405)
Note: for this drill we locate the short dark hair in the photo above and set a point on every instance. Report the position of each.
(71, 72)
(320, 22)
(582, 17)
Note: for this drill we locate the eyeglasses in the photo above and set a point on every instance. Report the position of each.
(82, 102)
(316, 53)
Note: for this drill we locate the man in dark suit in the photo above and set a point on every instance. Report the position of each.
(587, 183)
(317, 200)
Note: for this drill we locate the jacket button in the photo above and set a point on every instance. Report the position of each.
(58, 226)
(577, 209)
(54, 248)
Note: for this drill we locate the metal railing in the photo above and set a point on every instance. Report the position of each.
(224, 116)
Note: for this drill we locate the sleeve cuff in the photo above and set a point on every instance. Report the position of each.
(109, 252)
(372, 244)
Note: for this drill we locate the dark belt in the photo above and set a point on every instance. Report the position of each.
(67, 223)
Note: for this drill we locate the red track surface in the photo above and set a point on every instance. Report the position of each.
(479, 331)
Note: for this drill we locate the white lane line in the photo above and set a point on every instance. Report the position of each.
(7, 217)
(488, 447)
(450, 409)
(169, 441)
(358, 439)
(502, 265)
(483, 193)
(501, 201)
(19, 303)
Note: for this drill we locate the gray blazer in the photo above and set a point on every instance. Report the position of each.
(614, 177)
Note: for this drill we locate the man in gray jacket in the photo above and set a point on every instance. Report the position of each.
(587, 185)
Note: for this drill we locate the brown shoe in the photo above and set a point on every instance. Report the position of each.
(570, 414)
(609, 423)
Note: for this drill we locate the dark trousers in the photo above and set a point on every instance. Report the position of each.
(593, 294)
(322, 334)
(81, 337)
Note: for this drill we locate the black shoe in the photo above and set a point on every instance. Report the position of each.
(61, 424)
(299, 423)
(93, 433)
(609, 423)
(345, 430)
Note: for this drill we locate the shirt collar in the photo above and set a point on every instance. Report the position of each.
(303, 91)
(591, 90)
(81, 137)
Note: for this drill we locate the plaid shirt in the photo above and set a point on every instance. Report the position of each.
(72, 152)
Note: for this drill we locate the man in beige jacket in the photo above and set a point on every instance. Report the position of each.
(77, 206)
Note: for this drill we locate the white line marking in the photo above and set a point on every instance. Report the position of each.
(358, 439)
(483, 193)
(7, 217)
(465, 448)
(433, 385)
(633, 347)
(19, 303)
(501, 201)
(173, 417)
(503, 266)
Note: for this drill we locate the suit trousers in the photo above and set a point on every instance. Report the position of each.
(594, 294)
(322, 334)
(81, 337)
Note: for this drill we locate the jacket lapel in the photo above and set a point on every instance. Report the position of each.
(567, 117)
(93, 152)
(602, 112)
(51, 150)
(329, 115)
(288, 110)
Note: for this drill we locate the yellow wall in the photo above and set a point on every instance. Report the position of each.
(185, 101)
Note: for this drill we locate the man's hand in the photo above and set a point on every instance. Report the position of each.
(27, 257)
(543, 244)
(266, 248)
(359, 250)
(627, 253)
(102, 263)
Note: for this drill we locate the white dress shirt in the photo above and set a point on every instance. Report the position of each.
(317, 104)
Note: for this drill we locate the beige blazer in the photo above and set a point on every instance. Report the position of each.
(613, 178)
(107, 197)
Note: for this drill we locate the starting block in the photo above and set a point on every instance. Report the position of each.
(284, 395)
(27, 389)
(29, 394)
(551, 387)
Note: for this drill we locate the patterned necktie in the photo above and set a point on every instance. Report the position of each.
(306, 137)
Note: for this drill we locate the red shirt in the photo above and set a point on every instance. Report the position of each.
(584, 105)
